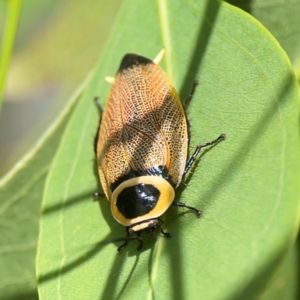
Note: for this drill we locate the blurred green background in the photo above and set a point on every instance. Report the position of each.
(57, 44)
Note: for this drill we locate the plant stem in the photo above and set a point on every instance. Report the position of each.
(13, 11)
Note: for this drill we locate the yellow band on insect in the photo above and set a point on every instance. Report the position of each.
(166, 198)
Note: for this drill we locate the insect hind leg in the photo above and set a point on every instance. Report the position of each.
(193, 158)
(185, 105)
(100, 108)
(192, 92)
(97, 102)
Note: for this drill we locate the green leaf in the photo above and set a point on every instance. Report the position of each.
(247, 186)
(21, 193)
(281, 19)
(285, 284)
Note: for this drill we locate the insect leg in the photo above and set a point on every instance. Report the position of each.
(197, 150)
(166, 234)
(139, 238)
(185, 105)
(129, 238)
(98, 194)
(126, 240)
(192, 92)
(181, 204)
(97, 102)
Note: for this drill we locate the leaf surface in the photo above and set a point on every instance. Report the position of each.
(21, 193)
(285, 284)
(247, 186)
(281, 18)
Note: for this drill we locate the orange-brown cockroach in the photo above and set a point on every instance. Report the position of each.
(142, 146)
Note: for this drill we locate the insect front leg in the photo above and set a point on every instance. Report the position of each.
(125, 239)
(128, 238)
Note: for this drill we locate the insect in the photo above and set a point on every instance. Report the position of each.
(142, 146)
